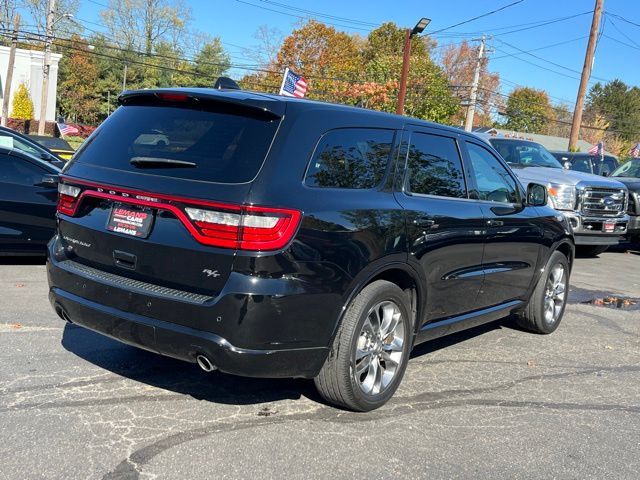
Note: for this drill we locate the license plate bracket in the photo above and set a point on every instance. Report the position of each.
(609, 227)
(130, 220)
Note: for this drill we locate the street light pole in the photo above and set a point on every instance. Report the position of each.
(406, 54)
(47, 66)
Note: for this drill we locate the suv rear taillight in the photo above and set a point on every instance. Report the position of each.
(246, 227)
(68, 198)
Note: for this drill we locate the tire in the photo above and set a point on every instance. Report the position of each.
(536, 315)
(338, 382)
(591, 250)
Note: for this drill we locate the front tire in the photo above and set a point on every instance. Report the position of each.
(370, 351)
(546, 306)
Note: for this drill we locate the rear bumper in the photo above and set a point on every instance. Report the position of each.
(254, 327)
(186, 343)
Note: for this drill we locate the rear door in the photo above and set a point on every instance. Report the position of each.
(514, 231)
(27, 204)
(160, 190)
(444, 227)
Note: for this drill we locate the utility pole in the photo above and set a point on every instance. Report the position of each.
(9, 77)
(471, 109)
(51, 11)
(586, 73)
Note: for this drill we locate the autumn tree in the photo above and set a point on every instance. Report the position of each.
(22, 107)
(459, 64)
(428, 93)
(77, 95)
(528, 110)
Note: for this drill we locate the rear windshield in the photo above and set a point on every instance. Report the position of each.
(214, 146)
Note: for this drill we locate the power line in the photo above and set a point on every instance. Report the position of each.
(528, 52)
(477, 17)
(545, 47)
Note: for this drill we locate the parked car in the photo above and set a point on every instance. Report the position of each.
(291, 238)
(57, 145)
(629, 174)
(585, 162)
(28, 197)
(595, 206)
(11, 139)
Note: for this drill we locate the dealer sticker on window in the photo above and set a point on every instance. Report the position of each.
(130, 221)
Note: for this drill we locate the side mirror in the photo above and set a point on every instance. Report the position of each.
(537, 195)
(48, 181)
(567, 165)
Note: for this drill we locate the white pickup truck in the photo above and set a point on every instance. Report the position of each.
(595, 206)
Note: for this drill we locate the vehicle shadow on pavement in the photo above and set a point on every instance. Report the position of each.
(455, 338)
(179, 376)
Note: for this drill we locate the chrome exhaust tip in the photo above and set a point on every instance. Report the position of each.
(204, 363)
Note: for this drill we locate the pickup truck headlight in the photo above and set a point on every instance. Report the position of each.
(562, 197)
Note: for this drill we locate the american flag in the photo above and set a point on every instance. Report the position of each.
(293, 85)
(635, 151)
(66, 129)
(597, 149)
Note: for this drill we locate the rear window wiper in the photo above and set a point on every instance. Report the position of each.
(156, 162)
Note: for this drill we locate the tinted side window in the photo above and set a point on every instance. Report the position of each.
(20, 172)
(493, 180)
(350, 158)
(434, 166)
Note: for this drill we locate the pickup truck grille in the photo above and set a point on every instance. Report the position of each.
(604, 202)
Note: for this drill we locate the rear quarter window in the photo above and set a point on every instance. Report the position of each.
(352, 158)
(220, 144)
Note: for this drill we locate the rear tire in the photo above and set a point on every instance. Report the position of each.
(591, 250)
(546, 306)
(371, 349)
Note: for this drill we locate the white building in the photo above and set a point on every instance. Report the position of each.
(27, 68)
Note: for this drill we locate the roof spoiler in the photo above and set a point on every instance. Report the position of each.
(243, 102)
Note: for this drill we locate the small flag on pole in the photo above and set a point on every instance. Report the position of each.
(597, 149)
(66, 129)
(635, 151)
(293, 85)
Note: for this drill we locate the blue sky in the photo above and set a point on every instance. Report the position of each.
(558, 66)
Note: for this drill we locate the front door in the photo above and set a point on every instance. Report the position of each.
(444, 228)
(514, 235)
(27, 205)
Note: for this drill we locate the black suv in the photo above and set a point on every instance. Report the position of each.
(275, 237)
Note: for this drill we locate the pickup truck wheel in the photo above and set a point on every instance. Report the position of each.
(546, 306)
(591, 250)
(370, 351)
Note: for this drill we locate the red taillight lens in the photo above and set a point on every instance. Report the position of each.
(247, 228)
(68, 198)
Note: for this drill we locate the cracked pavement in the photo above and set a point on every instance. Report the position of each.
(494, 401)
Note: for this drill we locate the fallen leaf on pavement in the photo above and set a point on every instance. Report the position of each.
(531, 364)
(16, 325)
(19, 285)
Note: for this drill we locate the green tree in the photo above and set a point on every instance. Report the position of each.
(210, 63)
(619, 105)
(528, 110)
(22, 106)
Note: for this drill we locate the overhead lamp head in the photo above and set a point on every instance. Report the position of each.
(420, 26)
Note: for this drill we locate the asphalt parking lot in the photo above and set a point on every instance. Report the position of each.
(493, 402)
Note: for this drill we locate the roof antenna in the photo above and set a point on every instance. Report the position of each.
(225, 83)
